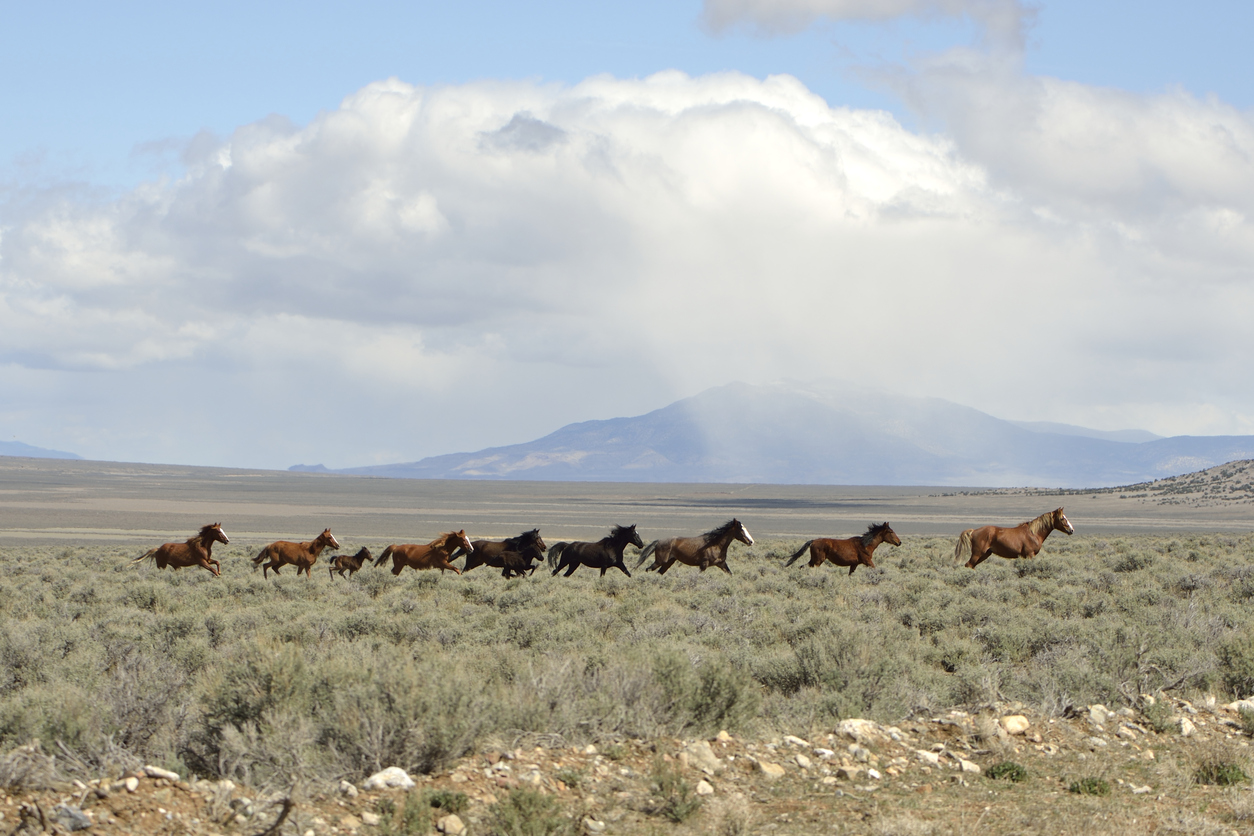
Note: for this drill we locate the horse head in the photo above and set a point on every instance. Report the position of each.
(1061, 523)
(534, 536)
(741, 533)
(463, 541)
(326, 538)
(884, 532)
(214, 534)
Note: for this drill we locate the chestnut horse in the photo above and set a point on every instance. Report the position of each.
(704, 550)
(433, 555)
(1024, 540)
(513, 555)
(604, 554)
(301, 555)
(852, 552)
(349, 563)
(195, 552)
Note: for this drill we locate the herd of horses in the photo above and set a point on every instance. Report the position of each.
(521, 555)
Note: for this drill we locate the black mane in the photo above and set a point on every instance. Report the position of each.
(873, 531)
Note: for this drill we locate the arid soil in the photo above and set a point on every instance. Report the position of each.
(925, 776)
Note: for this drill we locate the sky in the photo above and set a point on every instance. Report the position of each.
(262, 235)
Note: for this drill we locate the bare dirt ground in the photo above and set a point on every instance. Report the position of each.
(44, 500)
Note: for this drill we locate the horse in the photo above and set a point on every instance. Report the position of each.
(704, 550)
(195, 552)
(603, 554)
(852, 552)
(433, 555)
(349, 563)
(301, 555)
(1024, 540)
(513, 556)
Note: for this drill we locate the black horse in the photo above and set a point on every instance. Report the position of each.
(513, 556)
(603, 554)
(349, 563)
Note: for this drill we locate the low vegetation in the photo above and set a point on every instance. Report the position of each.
(308, 679)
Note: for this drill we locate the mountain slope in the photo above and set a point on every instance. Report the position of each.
(826, 434)
(17, 448)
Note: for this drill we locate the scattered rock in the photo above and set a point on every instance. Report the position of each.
(158, 772)
(1015, 724)
(1240, 705)
(702, 757)
(970, 767)
(803, 761)
(929, 758)
(849, 773)
(393, 778)
(874, 774)
(793, 740)
(370, 819)
(1186, 727)
(864, 732)
(131, 784)
(771, 770)
(724, 737)
(451, 825)
(71, 818)
(348, 789)
(592, 825)
(704, 788)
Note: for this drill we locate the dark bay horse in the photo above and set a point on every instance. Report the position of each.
(195, 552)
(1024, 540)
(433, 555)
(852, 552)
(604, 554)
(513, 555)
(349, 563)
(704, 550)
(301, 555)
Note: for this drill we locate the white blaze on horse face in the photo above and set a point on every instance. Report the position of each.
(748, 536)
(335, 544)
(222, 531)
(1066, 525)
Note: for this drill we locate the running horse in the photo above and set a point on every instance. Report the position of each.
(433, 555)
(704, 550)
(301, 555)
(852, 552)
(513, 555)
(604, 554)
(350, 563)
(195, 552)
(1024, 540)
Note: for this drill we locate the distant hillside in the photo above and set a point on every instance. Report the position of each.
(17, 448)
(829, 434)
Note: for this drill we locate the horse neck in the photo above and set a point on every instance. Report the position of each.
(316, 547)
(875, 541)
(1042, 525)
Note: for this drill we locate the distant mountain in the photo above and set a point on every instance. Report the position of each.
(1135, 436)
(830, 434)
(309, 468)
(17, 448)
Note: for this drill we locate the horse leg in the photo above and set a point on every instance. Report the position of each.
(722, 564)
(397, 566)
(447, 565)
(574, 564)
(622, 566)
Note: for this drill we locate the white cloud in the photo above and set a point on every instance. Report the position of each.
(423, 270)
(1003, 20)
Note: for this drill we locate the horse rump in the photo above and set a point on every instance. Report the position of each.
(800, 552)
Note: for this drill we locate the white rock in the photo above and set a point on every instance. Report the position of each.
(369, 818)
(1186, 727)
(393, 778)
(348, 789)
(1015, 724)
(451, 825)
(132, 784)
(701, 755)
(874, 774)
(825, 754)
(704, 788)
(929, 758)
(793, 740)
(866, 732)
(593, 825)
(1097, 742)
(771, 770)
(589, 749)
(1141, 790)
(803, 761)
(1240, 705)
(158, 772)
(970, 766)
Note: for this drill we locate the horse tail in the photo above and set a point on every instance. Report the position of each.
(645, 552)
(262, 555)
(383, 557)
(800, 552)
(555, 554)
(145, 555)
(964, 542)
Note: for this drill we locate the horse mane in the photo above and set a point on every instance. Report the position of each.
(721, 531)
(872, 531)
(1042, 525)
(522, 541)
(205, 529)
(620, 531)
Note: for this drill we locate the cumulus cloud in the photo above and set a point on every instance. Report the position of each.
(427, 269)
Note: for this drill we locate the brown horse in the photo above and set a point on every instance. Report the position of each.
(433, 555)
(195, 552)
(349, 563)
(513, 555)
(301, 555)
(1024, 540)
(704, 550)
(852, 552)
